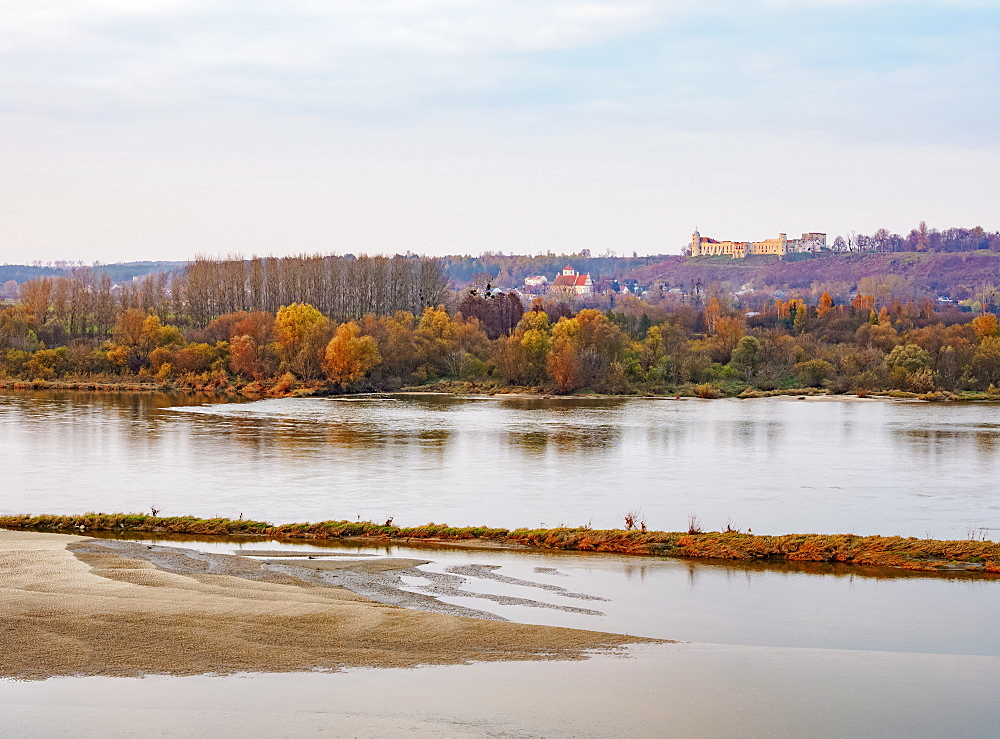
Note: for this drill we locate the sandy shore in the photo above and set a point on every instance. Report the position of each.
(77, 606)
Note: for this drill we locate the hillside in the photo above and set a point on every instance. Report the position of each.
(958, 275)
(119, 273)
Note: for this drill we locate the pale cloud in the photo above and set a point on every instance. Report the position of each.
(169, 127)
(159, 55)
(675, 62)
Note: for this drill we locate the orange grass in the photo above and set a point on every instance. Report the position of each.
(885, 551)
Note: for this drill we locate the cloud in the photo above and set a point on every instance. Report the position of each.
(179, 126)
(859, 67)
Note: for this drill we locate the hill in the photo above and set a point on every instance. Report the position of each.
(960, 275)
(119, 273)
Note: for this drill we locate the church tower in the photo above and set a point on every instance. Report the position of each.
(696, 244)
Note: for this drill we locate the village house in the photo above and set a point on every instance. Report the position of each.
(570, 279)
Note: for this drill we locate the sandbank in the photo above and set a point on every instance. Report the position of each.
(73, 605)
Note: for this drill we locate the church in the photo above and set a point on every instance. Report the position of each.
(570, 279)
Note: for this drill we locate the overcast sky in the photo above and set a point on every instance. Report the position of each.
(161, 129)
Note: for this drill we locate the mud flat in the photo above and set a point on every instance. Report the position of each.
(78, 606)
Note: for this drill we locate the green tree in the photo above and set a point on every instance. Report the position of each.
(746, 357)
(909, 357)
(812, 372)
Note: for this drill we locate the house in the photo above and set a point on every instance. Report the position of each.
(535, 280)
(570, 279)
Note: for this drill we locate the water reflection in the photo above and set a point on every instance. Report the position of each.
(771, 465)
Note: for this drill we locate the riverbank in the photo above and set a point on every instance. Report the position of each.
(926, 555)
(251, 390)
(79, 606)
(297, 389)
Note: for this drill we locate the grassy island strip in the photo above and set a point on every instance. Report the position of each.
(926, 555)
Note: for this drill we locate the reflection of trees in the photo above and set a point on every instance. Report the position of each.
(985, 438)
(749, 433)
(565, 439)
(135, 417)
(125, 405)
(754, 569)
(563, 406)
(303, 437)
(96, 417)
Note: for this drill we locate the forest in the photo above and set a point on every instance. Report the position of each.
(345, 324)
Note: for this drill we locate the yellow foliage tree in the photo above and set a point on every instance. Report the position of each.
(301, 332)
(986, 326)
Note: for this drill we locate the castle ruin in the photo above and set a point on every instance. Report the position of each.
(705, 247)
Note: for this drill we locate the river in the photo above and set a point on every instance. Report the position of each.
(768, 650)
(773, 466)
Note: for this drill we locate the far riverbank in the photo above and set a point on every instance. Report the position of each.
(277, 389)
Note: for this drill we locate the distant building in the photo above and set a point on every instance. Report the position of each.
(570, 279)
(810, 242)
(535, 280)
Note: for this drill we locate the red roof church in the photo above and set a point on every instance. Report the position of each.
(581, 284)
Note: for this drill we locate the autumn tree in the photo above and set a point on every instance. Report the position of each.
(35, 295)
(522, 357)
(986, 362)
(350, 356)
(136, 335)
(825, 305)
(563, 364)
(16, 329)
(584, 349)
(986, 325)
(301, 334)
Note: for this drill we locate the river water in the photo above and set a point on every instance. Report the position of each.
(769, 651)
(773, 466)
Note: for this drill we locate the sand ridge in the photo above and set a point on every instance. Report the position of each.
(97, 611)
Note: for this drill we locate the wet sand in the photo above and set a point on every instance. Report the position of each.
(78, 606)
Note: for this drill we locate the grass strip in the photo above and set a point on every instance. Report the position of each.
(929, 555)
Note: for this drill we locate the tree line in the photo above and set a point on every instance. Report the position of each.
(919, 239)
(243, 333)
(86, 304)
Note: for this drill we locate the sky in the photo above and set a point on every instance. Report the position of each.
(164, 129)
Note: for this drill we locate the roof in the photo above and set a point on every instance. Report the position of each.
(571, 280)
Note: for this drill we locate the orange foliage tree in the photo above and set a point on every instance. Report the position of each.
(350, 356)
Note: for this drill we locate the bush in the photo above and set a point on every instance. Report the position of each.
(707, 391)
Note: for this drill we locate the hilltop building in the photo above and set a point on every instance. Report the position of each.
(570, 279)
(810, 242)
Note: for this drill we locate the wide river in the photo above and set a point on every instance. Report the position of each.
(773, 466)
(786, 650)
